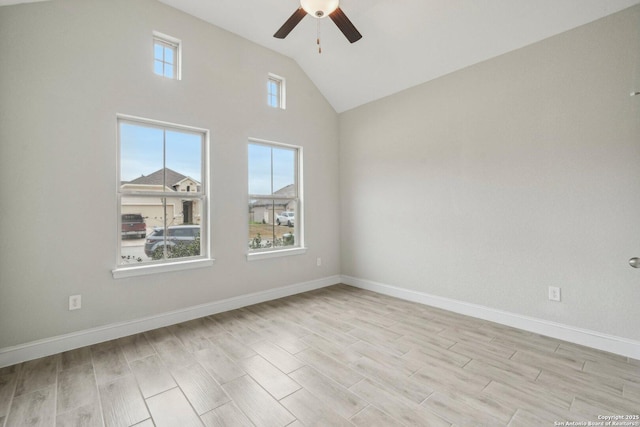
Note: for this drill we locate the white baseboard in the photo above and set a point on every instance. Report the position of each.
(46, 347)
(613, 344)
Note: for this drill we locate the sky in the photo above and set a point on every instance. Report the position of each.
(261, 159)
(141, 153)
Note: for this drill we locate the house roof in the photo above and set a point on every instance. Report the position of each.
(165, 176)
(287, 191)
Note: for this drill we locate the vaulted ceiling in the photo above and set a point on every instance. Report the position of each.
(405, 42)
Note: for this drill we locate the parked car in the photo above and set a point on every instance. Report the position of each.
(287, 218)
(133, 225)
(176, 235)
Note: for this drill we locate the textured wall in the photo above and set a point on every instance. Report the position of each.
(67, 69)
(492, 183)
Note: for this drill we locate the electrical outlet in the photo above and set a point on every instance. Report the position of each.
(75, 302)
(554, 293)
(318, 261)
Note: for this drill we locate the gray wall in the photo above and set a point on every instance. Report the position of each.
(67, 68)
(492, 183)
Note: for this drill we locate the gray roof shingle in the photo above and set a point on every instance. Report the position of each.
(166, 175)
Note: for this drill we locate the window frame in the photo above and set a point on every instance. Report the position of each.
(171, 264)
(280, 94)
(300, 247)
(172, 42)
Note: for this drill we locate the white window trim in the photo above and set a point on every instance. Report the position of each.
(133, 270)
(298, 250)
(143, 270)
(282, 104)
(164, 38)
(275, 253)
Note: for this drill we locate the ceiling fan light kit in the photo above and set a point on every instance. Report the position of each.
(320, 9)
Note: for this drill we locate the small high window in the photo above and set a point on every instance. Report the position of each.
(166, 56)
(276, 91)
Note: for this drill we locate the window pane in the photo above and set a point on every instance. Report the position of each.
(184, 156)
(158, 67)
(135, 226)
(259, 169)
(273, 93)
(285, 229)
(183, 231)
(158, 228)
(261, 225)
(140, 153)
(272, 224)
(168, 71)
(158, 51)
(284, 172)
(179, 237)
(168, 55)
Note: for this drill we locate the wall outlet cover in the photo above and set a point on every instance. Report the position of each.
(75, 302)
(554, 293)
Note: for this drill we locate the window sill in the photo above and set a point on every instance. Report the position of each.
(255, 256)
(143, 270)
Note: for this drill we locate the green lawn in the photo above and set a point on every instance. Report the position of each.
(267, 230)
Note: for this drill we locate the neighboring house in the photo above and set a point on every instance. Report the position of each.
(262, 210)
(178, 210)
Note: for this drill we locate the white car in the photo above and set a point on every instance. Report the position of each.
(287, 218)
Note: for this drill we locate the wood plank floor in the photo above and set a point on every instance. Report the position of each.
(332, 357)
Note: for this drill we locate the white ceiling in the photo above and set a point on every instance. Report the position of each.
(405, 42)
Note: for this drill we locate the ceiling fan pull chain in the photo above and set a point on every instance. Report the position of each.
(318, 39)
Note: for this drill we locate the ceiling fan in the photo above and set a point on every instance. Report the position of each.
(320, 9)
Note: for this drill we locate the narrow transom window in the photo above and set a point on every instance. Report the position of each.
(275, 202)
(166, 56)
(276, 91)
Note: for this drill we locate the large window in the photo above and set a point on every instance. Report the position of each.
(162, 193)
(275, 202)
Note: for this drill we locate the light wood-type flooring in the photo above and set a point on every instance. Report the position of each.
(337, 356)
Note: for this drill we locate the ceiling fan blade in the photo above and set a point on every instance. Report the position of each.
(290, 24)
(343, 23)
